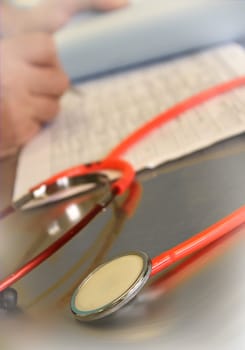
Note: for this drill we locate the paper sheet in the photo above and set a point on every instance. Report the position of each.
(108, 109)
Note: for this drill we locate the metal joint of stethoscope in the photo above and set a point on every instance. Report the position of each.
(44, 191)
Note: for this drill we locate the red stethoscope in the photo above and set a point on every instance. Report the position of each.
(119, 280)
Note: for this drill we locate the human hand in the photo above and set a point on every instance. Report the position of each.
(49, 15)
(32, 82)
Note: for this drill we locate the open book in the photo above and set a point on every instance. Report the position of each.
(106, 110)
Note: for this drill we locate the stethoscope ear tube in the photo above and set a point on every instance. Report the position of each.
(45, 254)
(56, 245)
(118, 187)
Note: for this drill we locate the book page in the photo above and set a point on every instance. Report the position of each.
(105, 111)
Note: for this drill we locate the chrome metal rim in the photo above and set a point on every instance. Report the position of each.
(120, 301)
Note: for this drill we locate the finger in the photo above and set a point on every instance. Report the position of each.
(38, 48)
(17, 117)
(26, 134)
(108, 5)
(48, 81)
(45, 109)
(71, 7)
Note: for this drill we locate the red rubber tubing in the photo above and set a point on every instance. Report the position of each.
(200, 240)
(50, 250)
(174, 112)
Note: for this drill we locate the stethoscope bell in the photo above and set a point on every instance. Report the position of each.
(111, 286)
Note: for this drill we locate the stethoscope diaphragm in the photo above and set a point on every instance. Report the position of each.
(111, 286)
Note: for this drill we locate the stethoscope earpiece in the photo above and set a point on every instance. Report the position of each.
(111, 286)
(8, 299)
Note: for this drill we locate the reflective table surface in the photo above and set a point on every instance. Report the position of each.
(197, 304)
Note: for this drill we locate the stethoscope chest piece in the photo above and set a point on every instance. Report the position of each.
(111, 286)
